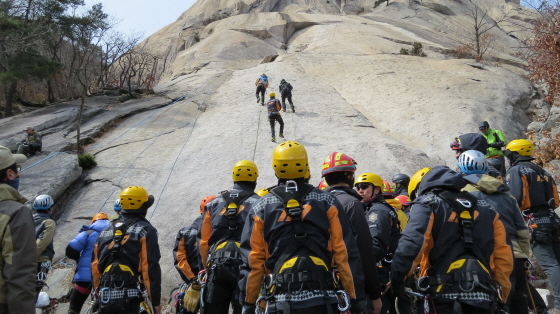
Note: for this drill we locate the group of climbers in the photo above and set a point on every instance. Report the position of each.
(274, 106)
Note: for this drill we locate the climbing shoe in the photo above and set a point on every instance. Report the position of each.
(273, 139)
(281, 135)
(293, 110)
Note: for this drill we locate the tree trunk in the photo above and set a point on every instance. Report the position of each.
(79, 123)
(50, 92)
(10, 99)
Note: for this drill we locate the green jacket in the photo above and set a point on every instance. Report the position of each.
(34, 137)
(496, 140)
(18, 258)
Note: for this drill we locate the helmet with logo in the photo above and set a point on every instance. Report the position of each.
(43, 202)
(135, 199)
(262, 192)
(387, 188)
(117, 206)
(206, 200)
(370, 178)
(245, 170)
(403, 199)
(415, 181)
(338, 162)
(472, 162)
(289, 160)
(522, 146)
(401, 179)
(99, 216)
(272, 94)
(322, 185)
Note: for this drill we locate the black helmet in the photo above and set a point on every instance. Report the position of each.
(283, 81)
(401, 178)
(483, 124)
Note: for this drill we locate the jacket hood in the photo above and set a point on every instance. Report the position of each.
(8, 193)
(485, 183)
(346, 189)
(473, 141)
(99, 225)
(441, 177)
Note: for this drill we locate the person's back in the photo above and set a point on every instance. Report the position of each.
(262, 85)
(297, 229)
(285, 89)
(452, 236)
(273, 107)
(117, 263)
(18, 258)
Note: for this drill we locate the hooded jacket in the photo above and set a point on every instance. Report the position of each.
(140, 252)
(215, 227)
(496, 193)
(81, 249)
(473, 141)
(186, 256)
(433, 231)
(268, 232)
(531, 189)
(354, 209)
(18, 258)
(45, 227)
(383, 226)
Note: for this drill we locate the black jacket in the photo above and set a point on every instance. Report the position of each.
(531, 189)
(140, 252)
(383, 226)
(473, 141)
(433, 230)
(285, 89)
(185, 252)
(350, 201)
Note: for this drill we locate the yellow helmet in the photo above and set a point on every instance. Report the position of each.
(99, 216)
(133, 197)
(415, 181)
(521, 146)
(289, 160)
(262, 192)
(369, 177)
(307, 174)
(272, 94)
(245, 170)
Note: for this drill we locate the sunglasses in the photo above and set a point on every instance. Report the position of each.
(362, 186)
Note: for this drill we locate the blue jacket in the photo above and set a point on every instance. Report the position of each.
(81, 249)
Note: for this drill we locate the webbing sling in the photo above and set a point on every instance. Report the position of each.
(292, 196)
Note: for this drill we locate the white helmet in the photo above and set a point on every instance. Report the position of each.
(43, 202)
(472, 162)
(43, 300)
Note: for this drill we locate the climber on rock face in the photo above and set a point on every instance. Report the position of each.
(273, 107)
(285, 89)
(262, 85)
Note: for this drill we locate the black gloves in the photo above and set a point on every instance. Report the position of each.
(249, 309)
(404, 302)
(497, 145)
(358, 307)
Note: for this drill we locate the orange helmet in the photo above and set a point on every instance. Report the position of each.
(99, 216)
(387, 190)
(205, 201)
(403, 199)
(395, 203)
(322, 185)
(338, 162)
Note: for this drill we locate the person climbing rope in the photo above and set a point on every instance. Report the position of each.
(273, 106)
(292, 239)
(262, 85)
(80, 249)
(285, 89)
(125, 266)
(186, 259)
(220, 235)
(496, 140)
(45, 227)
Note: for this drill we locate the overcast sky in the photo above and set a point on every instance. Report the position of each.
(147, 16)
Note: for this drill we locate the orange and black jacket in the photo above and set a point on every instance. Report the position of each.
(185, 252)
(215, 227)
(531, 189)
(273, 106)
(139, 251)
(383, 225)
(268, 230)
(350, 201)
(433, 230)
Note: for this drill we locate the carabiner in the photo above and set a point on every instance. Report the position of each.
(291, 185)
(70, 265)
(102, 298)
(344, 298)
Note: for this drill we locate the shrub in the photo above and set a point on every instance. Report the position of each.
(404, 51)
(415, 51)
(87, 161)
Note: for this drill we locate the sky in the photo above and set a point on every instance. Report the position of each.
(146, 16)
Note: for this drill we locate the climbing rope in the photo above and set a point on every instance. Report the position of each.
(44, 159)
(258, 128)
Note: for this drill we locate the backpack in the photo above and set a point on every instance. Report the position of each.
(545, 180)
(464, 274)
(285, 88)
(263, 80)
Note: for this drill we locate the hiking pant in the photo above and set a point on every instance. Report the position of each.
(499, 163)
(272, 118)
(547, 256)
(289, 97)
(518, 296)
(221, 290)
(446, 307)
(78, 296)
(261, 89)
